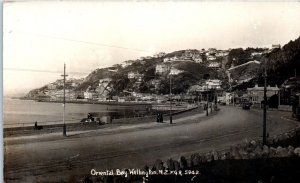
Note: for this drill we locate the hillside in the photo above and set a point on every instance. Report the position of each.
(244, 68)
(282, 63)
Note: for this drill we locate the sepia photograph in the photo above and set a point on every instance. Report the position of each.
(151, 91)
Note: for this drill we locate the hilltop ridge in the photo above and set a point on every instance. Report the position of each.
(189, 68)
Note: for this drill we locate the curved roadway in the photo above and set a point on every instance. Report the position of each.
(54, 157)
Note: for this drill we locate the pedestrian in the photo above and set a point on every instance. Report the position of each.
(161, 118)
(157, 118)
(35, 125)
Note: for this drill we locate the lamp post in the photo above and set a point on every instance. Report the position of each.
(265, 104)
(64, 102)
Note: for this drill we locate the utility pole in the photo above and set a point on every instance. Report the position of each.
(64, 102)
(216, 99)
(207, 100)
(170, 96)
(265, 104)
(233, 99)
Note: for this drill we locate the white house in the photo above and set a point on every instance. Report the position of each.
(131, 75)
(135, 75)
(127, 63)
(161, 68)
(167, 59)
(104, 81)
(175, 71)
(90, 95)
(214, 64)
(213, 84)
(51, 86)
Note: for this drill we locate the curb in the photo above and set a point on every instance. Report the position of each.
(288, 119)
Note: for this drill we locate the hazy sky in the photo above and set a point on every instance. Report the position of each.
(89, 35)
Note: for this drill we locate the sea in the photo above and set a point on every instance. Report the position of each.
(18, 113)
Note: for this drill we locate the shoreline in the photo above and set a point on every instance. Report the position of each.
(127, 103)
(13, 131)
(89, 102)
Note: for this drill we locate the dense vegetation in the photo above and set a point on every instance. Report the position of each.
(284, 63)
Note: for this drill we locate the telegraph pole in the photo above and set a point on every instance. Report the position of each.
(170, 97)
(207, 100)
(265, 103)
(64, 102)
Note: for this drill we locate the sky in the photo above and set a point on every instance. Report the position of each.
(43, 35)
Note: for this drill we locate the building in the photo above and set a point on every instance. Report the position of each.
(256, 94)
(213, 84)
(167, 59)
(197, 58)
(161, 68)
(59, 82)
(214, 64)
(90, 95)
(51, 86)
(127, 63)
(104, 81)
(135, 75)
(131, 75)
(221, 53)
(175, 71)
(160, 54)
(274, 46)
(211, 57)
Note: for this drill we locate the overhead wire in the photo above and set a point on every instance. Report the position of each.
(81, 41)
(38, 70)
(70, 40)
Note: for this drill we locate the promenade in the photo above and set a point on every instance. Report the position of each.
(53, 157)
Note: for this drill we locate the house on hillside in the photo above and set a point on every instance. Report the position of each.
(131, 75)
(51, 86)
(289, 89)
(138, 78)
(212, 51)
(59, 82)
(90, 95)
(274, 46)
(197, 58)
(167, 59)
(127, 63)
(160, 54)
(161, 68)
(213, 84)
(175, 71)
(214, 64)
(221, 53)
(211, 57)
(104, 81)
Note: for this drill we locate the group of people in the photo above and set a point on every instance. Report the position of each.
(159, 118)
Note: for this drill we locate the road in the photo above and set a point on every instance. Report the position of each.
(57, 158)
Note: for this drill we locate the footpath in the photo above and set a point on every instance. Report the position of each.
(195, 116)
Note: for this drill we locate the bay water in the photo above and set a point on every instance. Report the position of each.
(18, 112)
